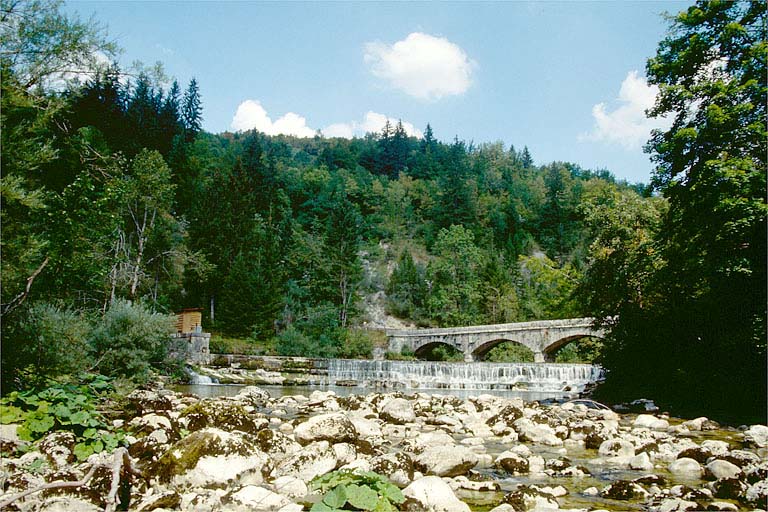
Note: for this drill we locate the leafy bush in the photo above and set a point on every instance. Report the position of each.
(64, 407)
(509, 352)
(316, 333)
(585, 350)
(345, 490)
(130, 339)
(441, 352)
(405, 354)
(46, 340)
(358, 344)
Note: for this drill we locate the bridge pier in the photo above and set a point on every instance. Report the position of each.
(468, 357)
(538, 357)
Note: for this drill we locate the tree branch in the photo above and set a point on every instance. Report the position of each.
(16, 301)
(121, 461)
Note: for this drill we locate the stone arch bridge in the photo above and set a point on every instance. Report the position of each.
(543, 337)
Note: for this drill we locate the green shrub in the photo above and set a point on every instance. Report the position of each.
(509, 352)
(63, 406)
(357, 344)
(44, 341)
(585, 350)
(293, 342)
(405, 354)
(130, 339)
(345, 490)
(441, 352)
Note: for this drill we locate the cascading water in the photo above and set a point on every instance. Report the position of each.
(476, 376)
(199, 380)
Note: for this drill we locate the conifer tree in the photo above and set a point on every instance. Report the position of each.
(192, 110)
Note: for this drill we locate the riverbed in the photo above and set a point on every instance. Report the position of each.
(261, 451)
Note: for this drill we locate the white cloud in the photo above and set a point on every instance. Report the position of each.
(251, 115)
(422, 66)
(344, 130)
(627, 124)
(372, 122)
(82, 71)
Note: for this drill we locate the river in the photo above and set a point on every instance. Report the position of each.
(216, 390)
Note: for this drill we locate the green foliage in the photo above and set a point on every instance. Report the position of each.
(694, 316)
(441, 352)
(346, 490)
(358, 344)
(455, 277)
(221, 344)
(41, 43)
(509, 352)
(130, 339)
(584, 350)
(405, 354)
(406, 288)
(547, 289)
(44, 340)
(64, 406)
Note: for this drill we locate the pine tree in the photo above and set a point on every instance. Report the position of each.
(192, 111)
(525, 159)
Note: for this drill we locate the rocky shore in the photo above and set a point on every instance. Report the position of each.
(253, 452)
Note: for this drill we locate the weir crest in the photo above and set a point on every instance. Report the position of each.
(474, 376)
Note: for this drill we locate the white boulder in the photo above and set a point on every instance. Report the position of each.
(446, 460)
(685, 467)
(432, 494)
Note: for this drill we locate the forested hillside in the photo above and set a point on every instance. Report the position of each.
(112, 192)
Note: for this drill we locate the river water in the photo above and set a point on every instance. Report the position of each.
(215, 390)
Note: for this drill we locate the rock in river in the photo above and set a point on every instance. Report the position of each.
(432, 494)
(334, 428)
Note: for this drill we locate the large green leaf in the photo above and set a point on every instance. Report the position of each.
(321, 507)
(392, 493)
(24, 433)
(82, 451)
(337, 497)
(383, 505)
(40, 423)
(11, 414)
(61, 411)
(81, 418)
(362, 497)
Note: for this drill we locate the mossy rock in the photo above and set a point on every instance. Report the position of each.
(220, 362)
(143, 401)
(223, 415)
(184, 455)
(530, 497)
(624, 490)
(276, 443)
(508, 415)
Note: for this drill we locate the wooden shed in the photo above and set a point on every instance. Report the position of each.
(189, 320)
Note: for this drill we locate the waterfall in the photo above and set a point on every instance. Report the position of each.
(200, 380)
(479, 376)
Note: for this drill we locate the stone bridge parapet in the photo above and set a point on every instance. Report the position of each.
(542, 337)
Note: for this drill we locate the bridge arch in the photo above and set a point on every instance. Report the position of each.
(481, 352)
(427, 350)
(551, 350)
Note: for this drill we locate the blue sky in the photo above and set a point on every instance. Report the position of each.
(564, 78)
